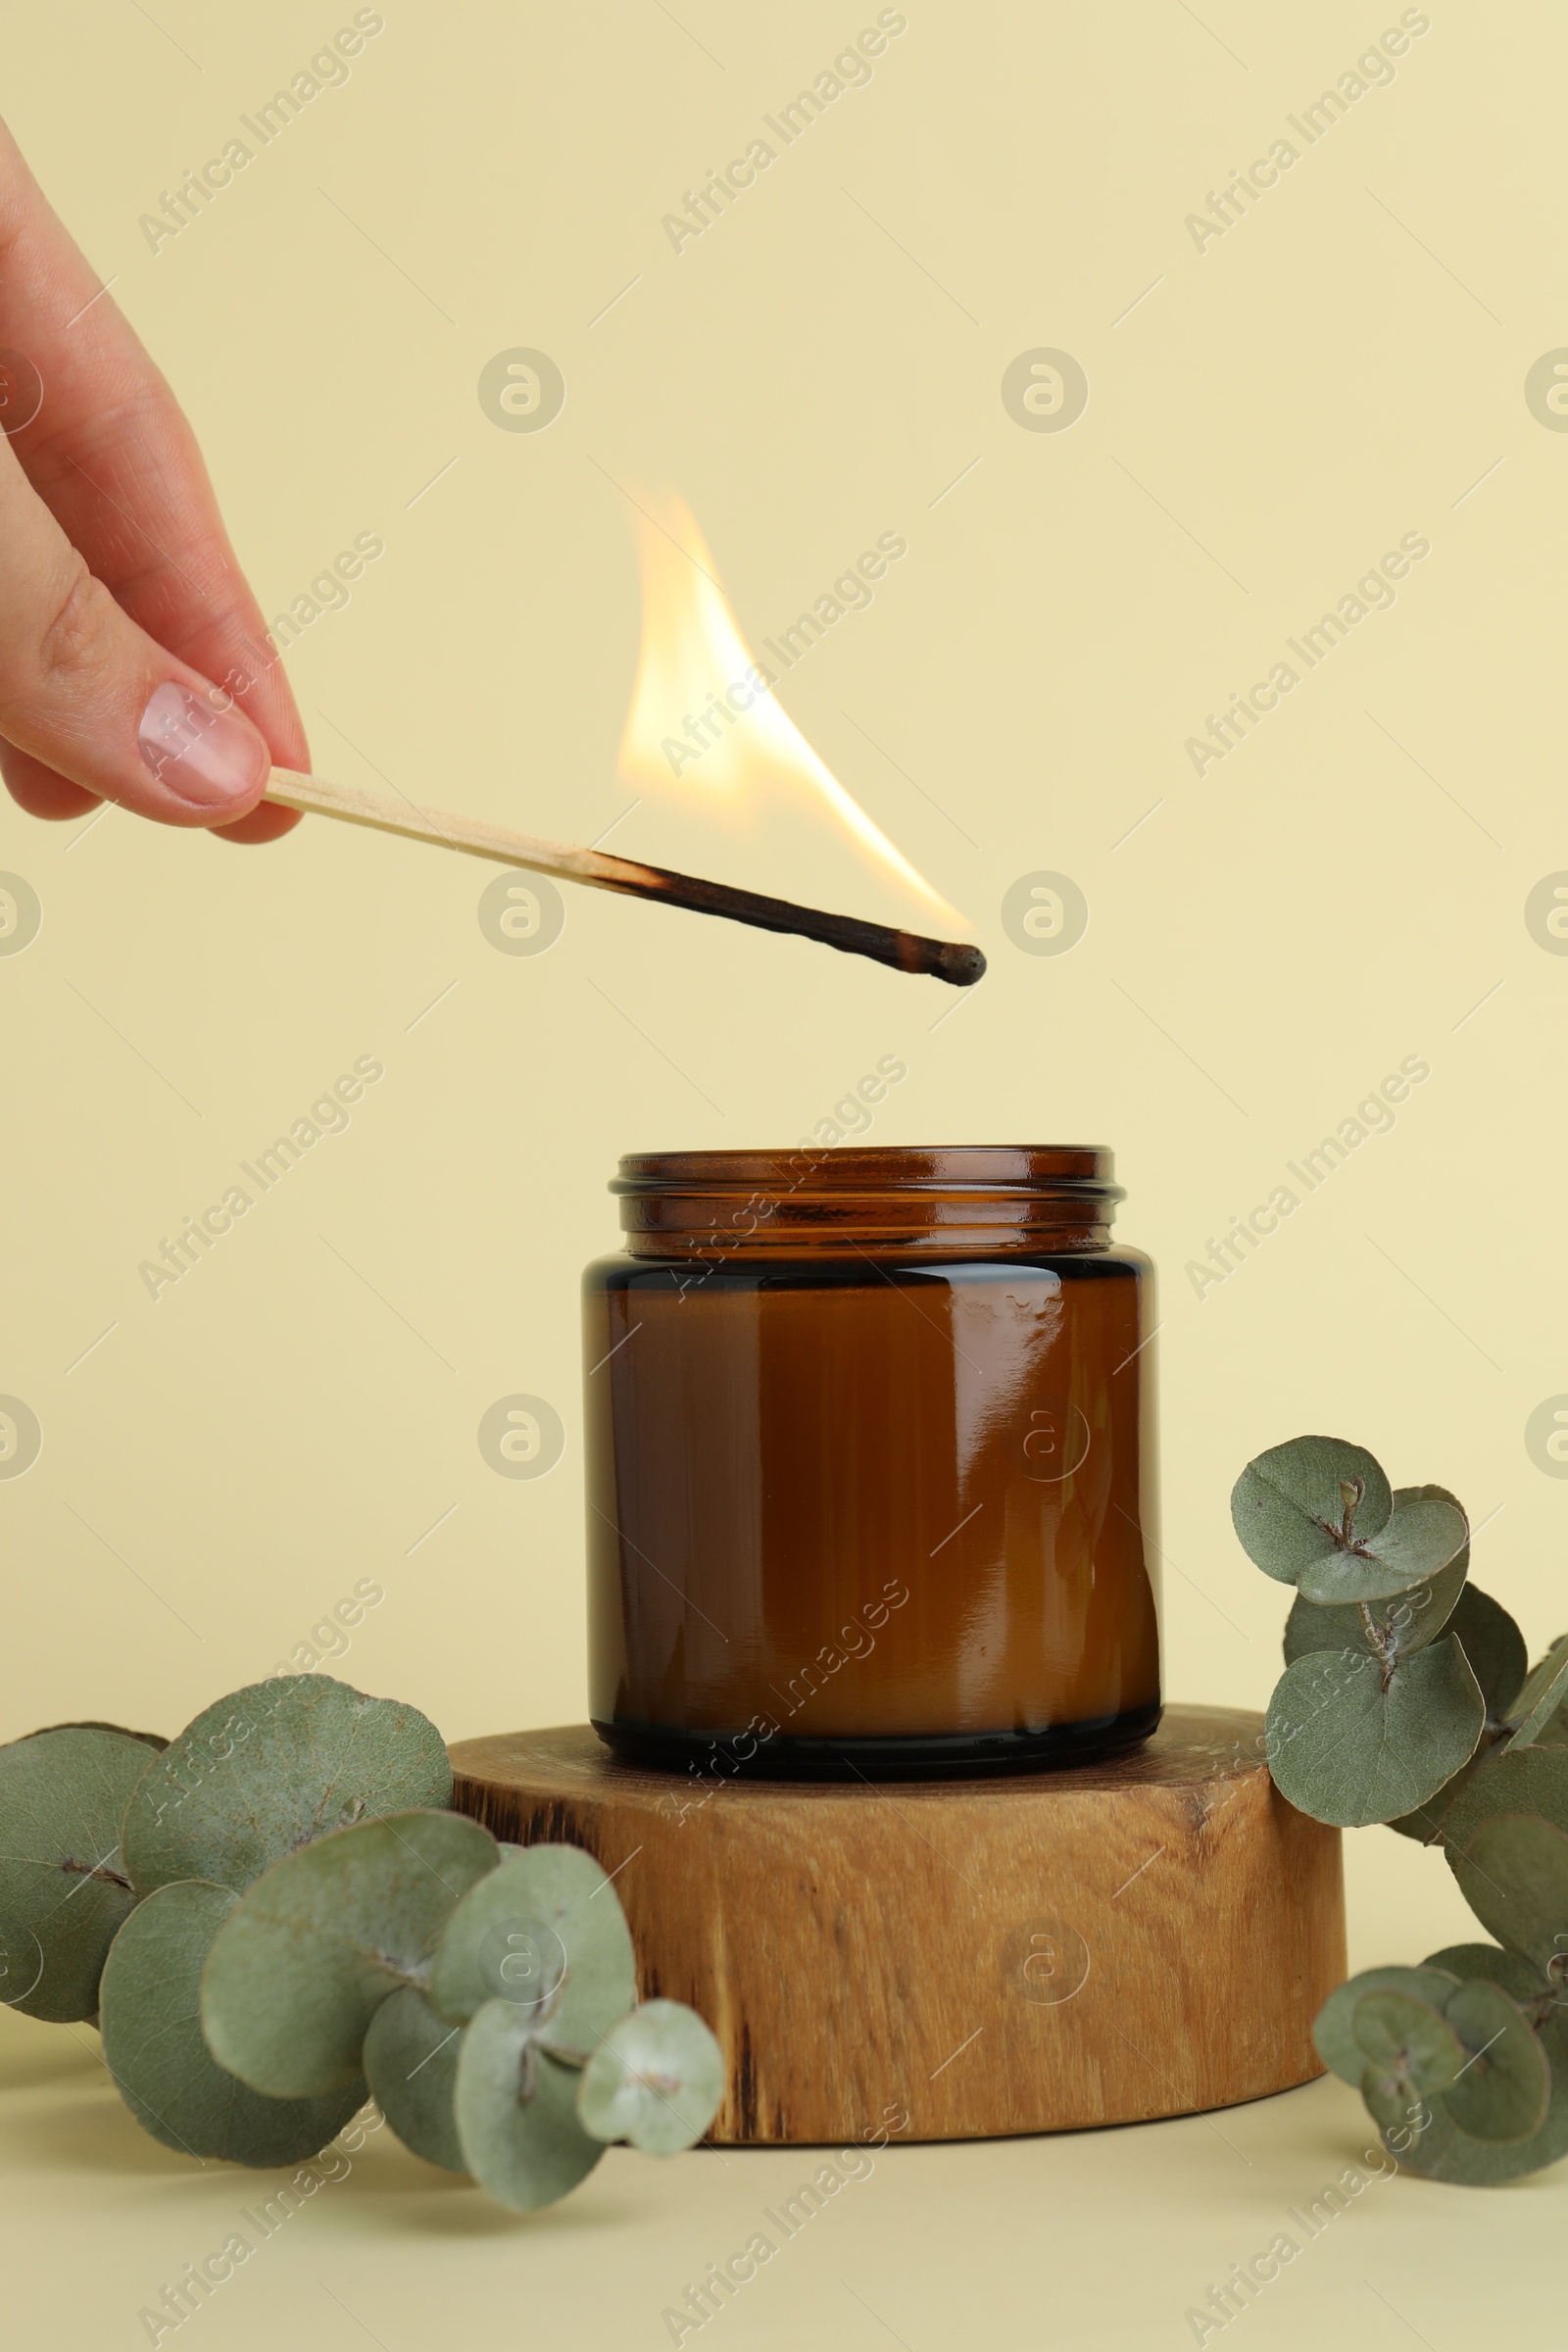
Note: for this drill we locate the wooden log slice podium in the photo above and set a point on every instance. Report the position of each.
(1033, 1952)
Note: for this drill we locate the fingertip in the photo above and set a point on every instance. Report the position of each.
(204, 751)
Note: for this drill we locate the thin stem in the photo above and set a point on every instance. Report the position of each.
(1383, 1644)
(96, 1870)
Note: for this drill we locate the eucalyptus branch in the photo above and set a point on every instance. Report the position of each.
(1429, 1723)
(270, 1930)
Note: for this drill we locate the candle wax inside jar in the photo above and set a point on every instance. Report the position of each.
(870, 1498)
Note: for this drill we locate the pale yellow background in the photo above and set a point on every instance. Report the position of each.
(1339, 369)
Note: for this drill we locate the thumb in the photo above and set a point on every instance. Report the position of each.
(91, 696)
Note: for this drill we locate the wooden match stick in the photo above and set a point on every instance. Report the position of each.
(905, 950)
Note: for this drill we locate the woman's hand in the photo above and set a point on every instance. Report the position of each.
(134, 664)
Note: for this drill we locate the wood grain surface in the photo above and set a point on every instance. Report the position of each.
(1035, 1953)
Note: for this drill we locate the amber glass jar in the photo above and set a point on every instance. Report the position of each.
(871, 1463)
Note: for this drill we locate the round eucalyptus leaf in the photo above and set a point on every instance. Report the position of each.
(1512, 1870)
(546, 1933)
(153, 1739)
(1287, 1504)
(1524, 1780)
(517, 2111)
(1442, 2152)
(266, 1769)
(1334, 2026)
(1541, 1700)
(1423, 1536)
(311, 1950)
(655, 2080)
(154, 2048)
(1501, 2090)
(1517, 1782)
(63, 1888)
(411, 2063)
(1406, 2040)
(1517, 1975)
(1428, 1824)
(1494, 1648)
(1344, 1750)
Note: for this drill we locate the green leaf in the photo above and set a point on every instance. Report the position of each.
(1494, 1648)
(1518, 1780)
(153, 1739)
(1543, 1694)
(655, 2080)
(1512, 1870)
(1422, 1537)
(266, 1769)
(1344, 1750)
(1405, 2040)
(312, 1949)
(411, 2063)
(153, 2044)
(1288, 1503)
(1427, 1823)
(547, 1934)
(1333, 2027)
(1501, 2090)
(63, 1891)
(1442, 2152)
(516, 2111)
(1517, 1975)
(1512, 1881)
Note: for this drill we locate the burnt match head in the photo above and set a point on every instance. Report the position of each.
(958, 965)
(950, 959)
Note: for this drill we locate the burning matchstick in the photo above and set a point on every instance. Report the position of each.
(905, 950)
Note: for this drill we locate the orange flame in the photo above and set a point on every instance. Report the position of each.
(703, 716)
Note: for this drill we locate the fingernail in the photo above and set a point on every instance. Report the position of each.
(206, 754)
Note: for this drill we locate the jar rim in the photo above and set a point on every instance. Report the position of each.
(1085, 1170)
